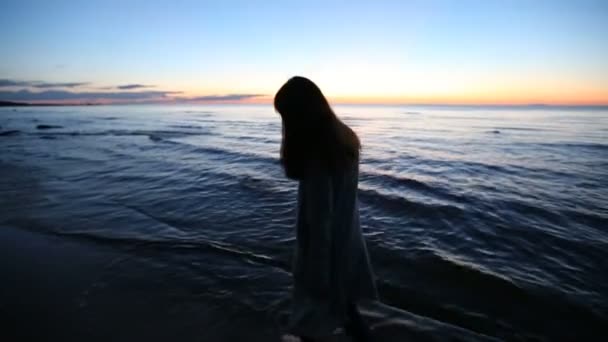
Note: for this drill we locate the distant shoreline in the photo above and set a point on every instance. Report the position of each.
(27, 104)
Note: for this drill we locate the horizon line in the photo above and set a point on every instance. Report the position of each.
(8, 103)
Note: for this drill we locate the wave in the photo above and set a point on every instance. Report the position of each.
(455, 166)
(526, 129)
(9, 133)
(202, 113)
(440, 286)
(554, 221)
(136, 243)
(264, 140)
(402, 205)
(231, 155)
(595, 220)
(480, 168)
(158, 133)
(186, 126)
(393, 181)
(591, 146)
(258, 184)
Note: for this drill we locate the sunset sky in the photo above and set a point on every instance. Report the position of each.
(448, 52)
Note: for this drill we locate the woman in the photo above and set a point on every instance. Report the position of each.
(331, 271)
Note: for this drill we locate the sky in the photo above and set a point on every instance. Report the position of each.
(392, 52)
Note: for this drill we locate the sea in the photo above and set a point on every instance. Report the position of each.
(144, 222)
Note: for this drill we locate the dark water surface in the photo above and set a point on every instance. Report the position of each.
(493, 220)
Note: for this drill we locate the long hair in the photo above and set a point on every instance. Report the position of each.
(312, 133)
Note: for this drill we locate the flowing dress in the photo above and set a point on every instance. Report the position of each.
(331, 266)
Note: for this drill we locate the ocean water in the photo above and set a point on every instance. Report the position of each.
(494, 220)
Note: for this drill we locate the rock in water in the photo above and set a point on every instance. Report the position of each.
(48, 126)
(9, 133)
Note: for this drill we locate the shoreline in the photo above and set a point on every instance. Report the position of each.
(55, 290)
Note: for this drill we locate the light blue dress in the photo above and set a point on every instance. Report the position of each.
(331, 265)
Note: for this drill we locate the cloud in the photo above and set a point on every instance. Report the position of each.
(39, 91)
(133, 86)
(64, 95)
(12, 83)
(59, 85)
(5, 83)
(229, 97)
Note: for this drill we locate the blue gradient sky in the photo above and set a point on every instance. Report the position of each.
(357, 51)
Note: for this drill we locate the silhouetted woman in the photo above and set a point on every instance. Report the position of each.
(331, 270)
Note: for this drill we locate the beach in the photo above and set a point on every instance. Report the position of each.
(48, 296)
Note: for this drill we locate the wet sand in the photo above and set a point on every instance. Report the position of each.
(59, 289)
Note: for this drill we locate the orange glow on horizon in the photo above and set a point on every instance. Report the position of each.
(577, 96)
(472, 100)
(485, 99)
(584, 97)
